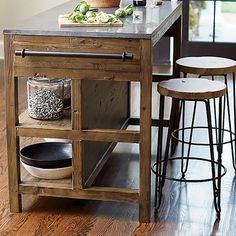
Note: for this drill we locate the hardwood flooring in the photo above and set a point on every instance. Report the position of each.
(187, 209)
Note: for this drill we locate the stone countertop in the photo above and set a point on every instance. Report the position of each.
(152, 21)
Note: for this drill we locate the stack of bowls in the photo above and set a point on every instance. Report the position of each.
(50, 160)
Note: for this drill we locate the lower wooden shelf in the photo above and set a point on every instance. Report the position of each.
(29, 180)
(64, 188)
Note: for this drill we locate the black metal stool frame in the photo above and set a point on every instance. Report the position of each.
(225, 104)
(160, 170)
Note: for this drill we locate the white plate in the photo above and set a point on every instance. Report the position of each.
(57, 173)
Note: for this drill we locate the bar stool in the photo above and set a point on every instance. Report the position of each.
(215, 66)
(193, 90)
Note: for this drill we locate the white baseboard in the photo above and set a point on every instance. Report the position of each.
(1, 49)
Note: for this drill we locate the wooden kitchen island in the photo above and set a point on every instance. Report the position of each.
(101, 61)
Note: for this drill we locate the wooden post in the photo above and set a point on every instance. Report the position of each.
(11, 90)
(77, 125)
(177, 31)
(145, 131)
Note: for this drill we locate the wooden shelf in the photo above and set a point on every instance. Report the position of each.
(63, 188)
(60, 124)
(29, 180)
(58, 183)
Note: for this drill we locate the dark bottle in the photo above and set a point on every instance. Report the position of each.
(139, 2)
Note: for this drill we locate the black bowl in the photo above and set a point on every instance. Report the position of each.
(47, 155)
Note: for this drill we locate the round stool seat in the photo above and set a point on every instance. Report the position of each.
(206, 65)
(191, 88)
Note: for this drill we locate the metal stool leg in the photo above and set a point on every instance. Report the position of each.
(234, 107)
(174, 142)
(177, 118)
(220, 150)
(215, 116)
(182, 146)
(190, 136)
(224, 107)
(229, 116)
(170, 130)
(159, 147)
(215, 183)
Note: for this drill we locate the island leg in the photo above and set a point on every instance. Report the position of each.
(145, 131)
(11, 89)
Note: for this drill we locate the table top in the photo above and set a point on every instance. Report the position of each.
(154, 23)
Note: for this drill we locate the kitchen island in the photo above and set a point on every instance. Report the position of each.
(102, 62)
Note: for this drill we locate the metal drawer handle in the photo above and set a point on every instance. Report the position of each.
(24, 52)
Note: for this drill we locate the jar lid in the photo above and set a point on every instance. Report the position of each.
(44, 81)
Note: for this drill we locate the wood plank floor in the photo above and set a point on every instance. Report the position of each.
(187, 209)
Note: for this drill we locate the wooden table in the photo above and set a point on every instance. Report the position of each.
(101, 62)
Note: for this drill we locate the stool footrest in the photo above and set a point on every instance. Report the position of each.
(189, 180)
(201, 127)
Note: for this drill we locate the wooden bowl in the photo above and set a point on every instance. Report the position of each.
(103, 3)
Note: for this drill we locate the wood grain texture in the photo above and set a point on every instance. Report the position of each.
(12, 121)
(104, 3)
(99, 110)
(81, 68)
(95, 98)
(82, 45)
(77, 145)
(61, 124)
(186, 210)
(105, 108)
(92, 193)
(145, 131)
(98, 75)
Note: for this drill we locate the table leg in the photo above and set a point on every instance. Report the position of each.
(176, 73)
(177, 45)
(12, 119)
(145, 131)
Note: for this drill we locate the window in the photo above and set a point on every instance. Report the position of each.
(212, 21)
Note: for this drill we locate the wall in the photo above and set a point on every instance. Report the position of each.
(12, 11)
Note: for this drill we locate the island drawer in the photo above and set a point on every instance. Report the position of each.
(78, 57)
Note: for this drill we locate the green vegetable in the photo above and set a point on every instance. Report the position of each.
(81, 13)
(79, 17)
(77, 7)
(102, 17)
(90, 14)
(76, 16)
(91, 19)
(112, 18)
(70, 16)
(84, 8)
(120, 13)
(128, 9)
